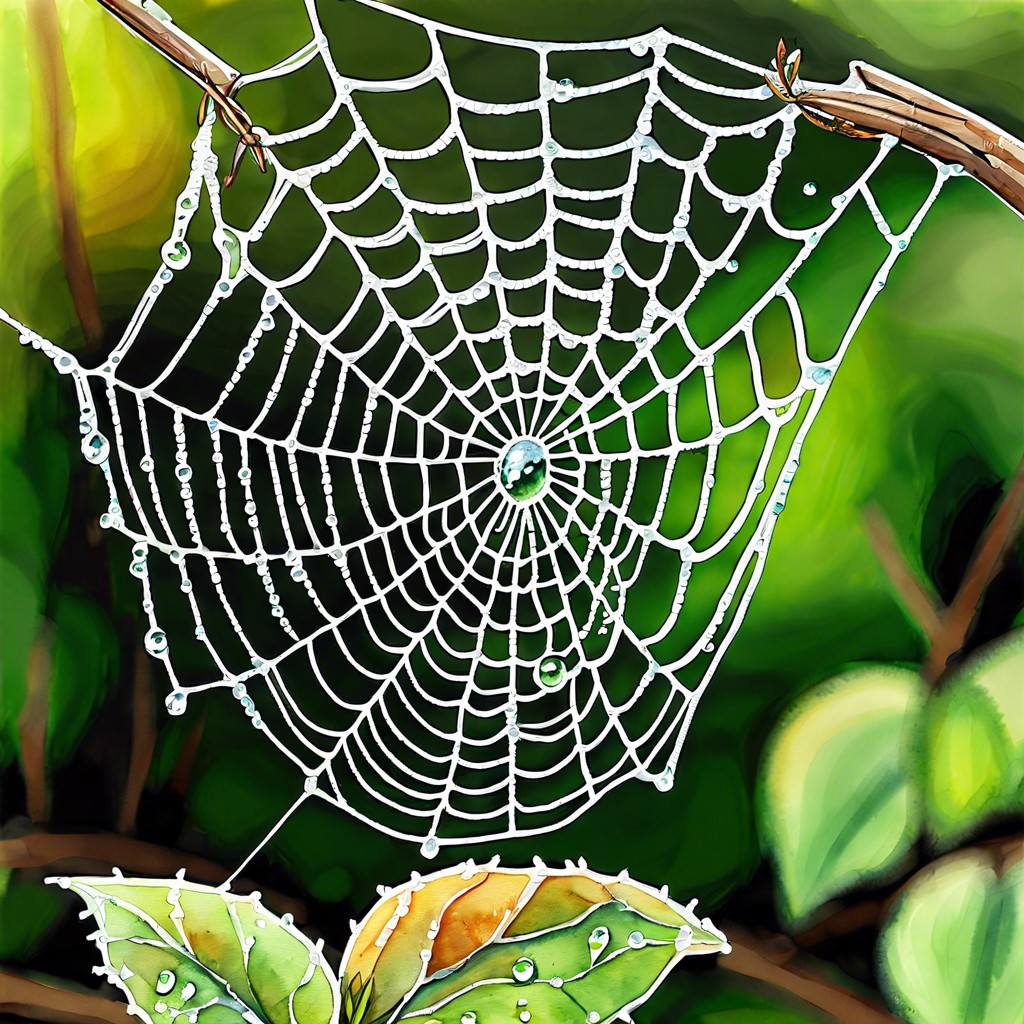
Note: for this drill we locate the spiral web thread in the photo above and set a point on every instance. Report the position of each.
(438, 658)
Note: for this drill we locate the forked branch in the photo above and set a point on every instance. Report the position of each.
(880, 104)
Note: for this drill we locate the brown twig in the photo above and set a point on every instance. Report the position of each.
(44, 30)
(143, 741)
(99, 851)
(775, 961)
(888, 105)
(986, 562)
(181, 774)
(946, 627)
(32, 723)
(920, 601)
(843, 922)
(38, 1000)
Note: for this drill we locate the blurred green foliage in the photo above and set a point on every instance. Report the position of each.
(952, 948)
(924, 415)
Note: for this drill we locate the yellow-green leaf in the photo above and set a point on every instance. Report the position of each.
(975, 742)
(953, 947)
(177, 949)
(840, 798)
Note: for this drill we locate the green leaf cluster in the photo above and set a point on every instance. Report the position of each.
(865, 766)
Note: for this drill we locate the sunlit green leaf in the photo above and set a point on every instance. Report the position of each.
(179, 949)
(953, 947)
(975, 742)
(839, 803)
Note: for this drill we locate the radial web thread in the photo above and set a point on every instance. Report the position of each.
(436, 500)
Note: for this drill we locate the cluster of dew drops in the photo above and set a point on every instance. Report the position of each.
(524, 971)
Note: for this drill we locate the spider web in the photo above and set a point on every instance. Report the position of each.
(507, 243)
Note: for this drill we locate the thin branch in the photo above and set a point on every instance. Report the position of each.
(919, 600)
(771, 961)
(843, 922)
(987, 561)
(89, 852)
(143, 741)
(882, 104)
(44, 30)
(181, 775)
(38, 1000)
(32, 723)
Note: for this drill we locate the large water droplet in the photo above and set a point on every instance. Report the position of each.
(188, 992)
(176, 703)
(95, 447)
(597, 943)
(156, 641)
(176, 253)
(810, 188)
(164, 982)
(551, 673)
(469, 1017)
(636, 940)
(524, 470)
(523, 970)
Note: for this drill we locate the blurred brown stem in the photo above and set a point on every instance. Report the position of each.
(32, 723)
(143, 741)
(44, 32)
(772, 961)
(985, 564)
(38, 1000)
(946, 628)
(91, 852)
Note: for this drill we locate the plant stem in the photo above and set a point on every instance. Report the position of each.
(143, 741)
(44, 30)
(946, 627)
(87, 851)
(920, 601)
(988, 558)
(771, 961)
(32, 722)
(38, 1000)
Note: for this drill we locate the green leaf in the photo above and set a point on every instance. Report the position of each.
(176, 948)
(953, 946)
(975, 742)
(839, 799)
(556, 944)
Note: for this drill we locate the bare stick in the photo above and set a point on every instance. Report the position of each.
(879, 104)
(32, 724)
(143, 741)
(38, 1000)
(770, 961)
(986, 563)
(89, 852)
(922, 604)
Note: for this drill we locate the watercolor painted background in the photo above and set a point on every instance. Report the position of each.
(863, 833)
